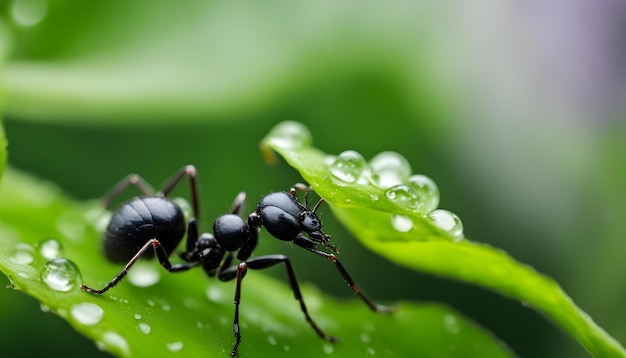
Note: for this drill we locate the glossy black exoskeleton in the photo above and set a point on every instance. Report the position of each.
(154, 221)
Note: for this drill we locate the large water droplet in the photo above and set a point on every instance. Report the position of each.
(29, 12)
(22, 253)
(87, 313)
(144, 274)
(401, 223)
(49, 249)
(290, 135)
(447, 221)
(402, 195)
(61, 275)
(426, 190)
(389, 169)
(348, 167)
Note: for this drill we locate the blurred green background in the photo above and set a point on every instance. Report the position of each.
(514, 108)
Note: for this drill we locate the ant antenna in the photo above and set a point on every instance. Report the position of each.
(317, 205)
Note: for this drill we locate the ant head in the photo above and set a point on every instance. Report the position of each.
(312, 225)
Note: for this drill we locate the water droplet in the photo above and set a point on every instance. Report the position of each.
(365, 338)
(114, 342)
(371, 351)
(426, 190)
(272, 340)
(49, 249)
(87, 313)
(290, 135)
(137, 316)
(166, 307)
(447, 221)
(144, 328)
(215, 294)
(61, 275)
(403, 196)
(389, 169)
(22, 253)
(175, 346)
(348, 167)
(144, 274)
(29, 12)
(401, 223)
(328, 349)
(451, 324)
(44, 308)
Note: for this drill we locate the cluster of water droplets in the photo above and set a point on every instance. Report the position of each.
(58, 273)
(391, 172)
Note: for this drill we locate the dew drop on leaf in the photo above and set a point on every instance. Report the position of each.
(447, 221)
(403, 196)
(144, 328)
(348, 167)
(290, 135)
(114, 341)
(401, 223)
(328, 349)
(175, 346)
(451, 324)
(214, 293)
(389, 169)
(61, 275)
(144, 274)
(49, 249)
(22, 253)
(426, 190)
(272, 340)
(87, 313)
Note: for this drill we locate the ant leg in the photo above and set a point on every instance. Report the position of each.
(346, 277)
(122, 185)
(190, 172)
(163, 260)
(239, 204)
(260, 263)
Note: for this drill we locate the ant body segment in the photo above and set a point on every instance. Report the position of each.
(154, 221)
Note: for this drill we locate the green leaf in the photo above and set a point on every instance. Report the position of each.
(189, 314)
(3, 150)
(368, 211)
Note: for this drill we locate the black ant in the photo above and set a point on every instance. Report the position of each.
(153, 221)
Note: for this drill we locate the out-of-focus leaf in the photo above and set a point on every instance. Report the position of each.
(110, 61)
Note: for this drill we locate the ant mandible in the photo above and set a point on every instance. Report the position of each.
(154, 221)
